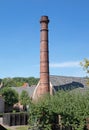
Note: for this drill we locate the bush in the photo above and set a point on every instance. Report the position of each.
(73, 108)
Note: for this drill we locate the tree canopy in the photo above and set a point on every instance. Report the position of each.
(85, 65)
(24, 98)
(19, 81)
(10, 96)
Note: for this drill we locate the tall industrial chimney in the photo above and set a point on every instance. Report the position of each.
(43, 86)
(44, 56)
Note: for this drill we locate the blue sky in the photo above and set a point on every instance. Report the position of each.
(20, 36)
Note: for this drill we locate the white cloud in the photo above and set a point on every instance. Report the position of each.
(65, 64)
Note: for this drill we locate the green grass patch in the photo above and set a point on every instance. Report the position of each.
(22, 128)
(19, 128)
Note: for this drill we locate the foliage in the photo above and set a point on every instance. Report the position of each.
(19, 81)
(32, 81)
(8, 82)
(0, 81)
(24, 98)
(72, 107)
(10, 96)
(85, 65)
(40, 115)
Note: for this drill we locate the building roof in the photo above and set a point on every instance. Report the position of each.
(58, 83)
(65, 83)
(30, 90)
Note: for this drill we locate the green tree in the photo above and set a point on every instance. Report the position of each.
(8, 82)
(32, 80)
(85, 65)
(24, 98)
(19, 81)
(10, 96)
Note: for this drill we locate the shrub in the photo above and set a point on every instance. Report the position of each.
(73, 108)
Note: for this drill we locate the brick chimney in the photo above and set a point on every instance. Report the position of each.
(44, 56)
(43, 86)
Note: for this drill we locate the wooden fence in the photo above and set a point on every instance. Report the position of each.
(12, 119)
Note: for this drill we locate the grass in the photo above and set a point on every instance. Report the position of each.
(19, 128)
(22, 128)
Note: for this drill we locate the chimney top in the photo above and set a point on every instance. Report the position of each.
(44, 19)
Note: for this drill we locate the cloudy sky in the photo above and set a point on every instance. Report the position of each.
(20, 36)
